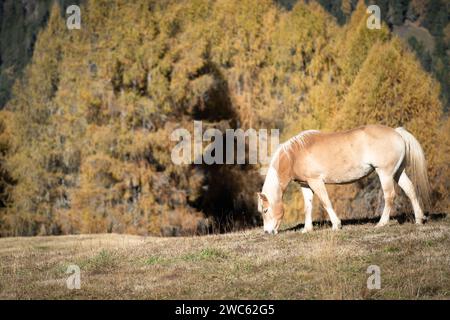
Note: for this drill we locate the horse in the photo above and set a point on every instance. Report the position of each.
(315, 158)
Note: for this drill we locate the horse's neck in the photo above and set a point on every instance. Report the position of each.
(274, 185)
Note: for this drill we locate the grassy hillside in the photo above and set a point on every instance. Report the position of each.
(414, 262)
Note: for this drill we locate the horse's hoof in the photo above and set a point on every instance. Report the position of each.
(336, 228)
(381, 224)
(306, 230)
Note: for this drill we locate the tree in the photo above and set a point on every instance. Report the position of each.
(85, 142)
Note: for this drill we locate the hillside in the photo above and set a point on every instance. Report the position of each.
(414, 263)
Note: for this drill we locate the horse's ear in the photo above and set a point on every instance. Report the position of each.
(263, 197)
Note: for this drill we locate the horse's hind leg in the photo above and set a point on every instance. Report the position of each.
(387, 185)
(319, 188)
(308, 198)
(408, 188)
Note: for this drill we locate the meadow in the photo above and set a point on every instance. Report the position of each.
(414, 262)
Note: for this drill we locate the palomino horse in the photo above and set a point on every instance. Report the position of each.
(314, 159)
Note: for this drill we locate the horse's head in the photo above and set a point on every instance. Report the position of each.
(272, 213)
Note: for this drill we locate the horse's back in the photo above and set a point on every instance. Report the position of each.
(345, 156)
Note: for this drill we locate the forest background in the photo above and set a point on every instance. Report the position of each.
(86, 115)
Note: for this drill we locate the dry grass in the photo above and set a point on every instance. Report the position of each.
(414, 262)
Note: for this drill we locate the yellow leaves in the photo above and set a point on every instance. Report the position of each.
(197, 10)
(6, 132)
(99, 170)
(92, 119)
(186, 67)
(356, 40)
(324, 102)
(135, 145)
(390, 88)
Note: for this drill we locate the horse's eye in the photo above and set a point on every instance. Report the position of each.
(265, 210)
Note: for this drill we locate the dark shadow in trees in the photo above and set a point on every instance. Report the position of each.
(215, 104)
(227, 191)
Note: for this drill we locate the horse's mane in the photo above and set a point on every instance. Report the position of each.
(299, 141)
(286, 149)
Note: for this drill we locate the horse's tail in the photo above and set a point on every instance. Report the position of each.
(415, 160)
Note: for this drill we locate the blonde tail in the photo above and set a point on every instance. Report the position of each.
(415, 160)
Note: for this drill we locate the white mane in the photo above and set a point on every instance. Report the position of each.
(300, 140)
(271, 187)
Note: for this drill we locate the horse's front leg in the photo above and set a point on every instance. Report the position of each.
(308, 199)
(318, 186)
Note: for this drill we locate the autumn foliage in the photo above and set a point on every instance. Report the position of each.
(85, 140)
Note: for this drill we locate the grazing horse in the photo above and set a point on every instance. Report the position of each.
(314, 159)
